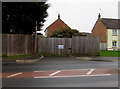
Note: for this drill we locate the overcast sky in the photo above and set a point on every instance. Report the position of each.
(80, 14)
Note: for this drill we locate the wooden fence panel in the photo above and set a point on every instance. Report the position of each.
(50, 45)
(85, 46)
(103, 46)
(4, 46)
(78, 45)
(17, 44)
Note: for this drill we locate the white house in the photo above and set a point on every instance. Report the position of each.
(108, 31)
(113, 39)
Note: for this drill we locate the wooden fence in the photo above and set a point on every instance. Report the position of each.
(76, 46)
(103, 46)
(17, 44)
(50, 45)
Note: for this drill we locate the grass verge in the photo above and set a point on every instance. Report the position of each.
(106, 53)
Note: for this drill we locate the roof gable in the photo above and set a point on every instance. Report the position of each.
(56, 23)
(111, 23)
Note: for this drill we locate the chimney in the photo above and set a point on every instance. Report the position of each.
(99, 16)
(58, 16)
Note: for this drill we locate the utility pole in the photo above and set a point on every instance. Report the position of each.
(35, 50)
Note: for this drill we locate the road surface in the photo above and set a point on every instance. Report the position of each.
(61, 72)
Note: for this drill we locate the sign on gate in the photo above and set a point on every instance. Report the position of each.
(60, 46)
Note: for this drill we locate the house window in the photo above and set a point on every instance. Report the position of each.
(114, 43)
(114, 32)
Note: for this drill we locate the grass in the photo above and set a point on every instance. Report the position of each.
(15, 57)
(106, 53)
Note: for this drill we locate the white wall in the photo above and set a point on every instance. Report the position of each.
(110, 38)
(119, 39)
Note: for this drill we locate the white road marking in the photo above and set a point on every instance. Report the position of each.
(42, 77)
(63, 70)
(74, 70)
(40, 71)
(54, 73)
(90, 71)
(14, 75)
(72, 76)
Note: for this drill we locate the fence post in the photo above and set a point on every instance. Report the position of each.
(35, 38)
(9, 44)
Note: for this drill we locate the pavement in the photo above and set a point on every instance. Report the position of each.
(107, 59)
(37, 58)
(22, 60)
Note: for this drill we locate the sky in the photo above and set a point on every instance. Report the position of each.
(80, 14)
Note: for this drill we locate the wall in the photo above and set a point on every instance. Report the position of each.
(99, 30)
(58, 24)
(119, 39)
(110, 38)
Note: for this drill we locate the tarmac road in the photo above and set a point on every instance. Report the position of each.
(57, 63)
(52, 66)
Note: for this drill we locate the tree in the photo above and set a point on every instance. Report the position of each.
(21, 17)
(65, 33)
